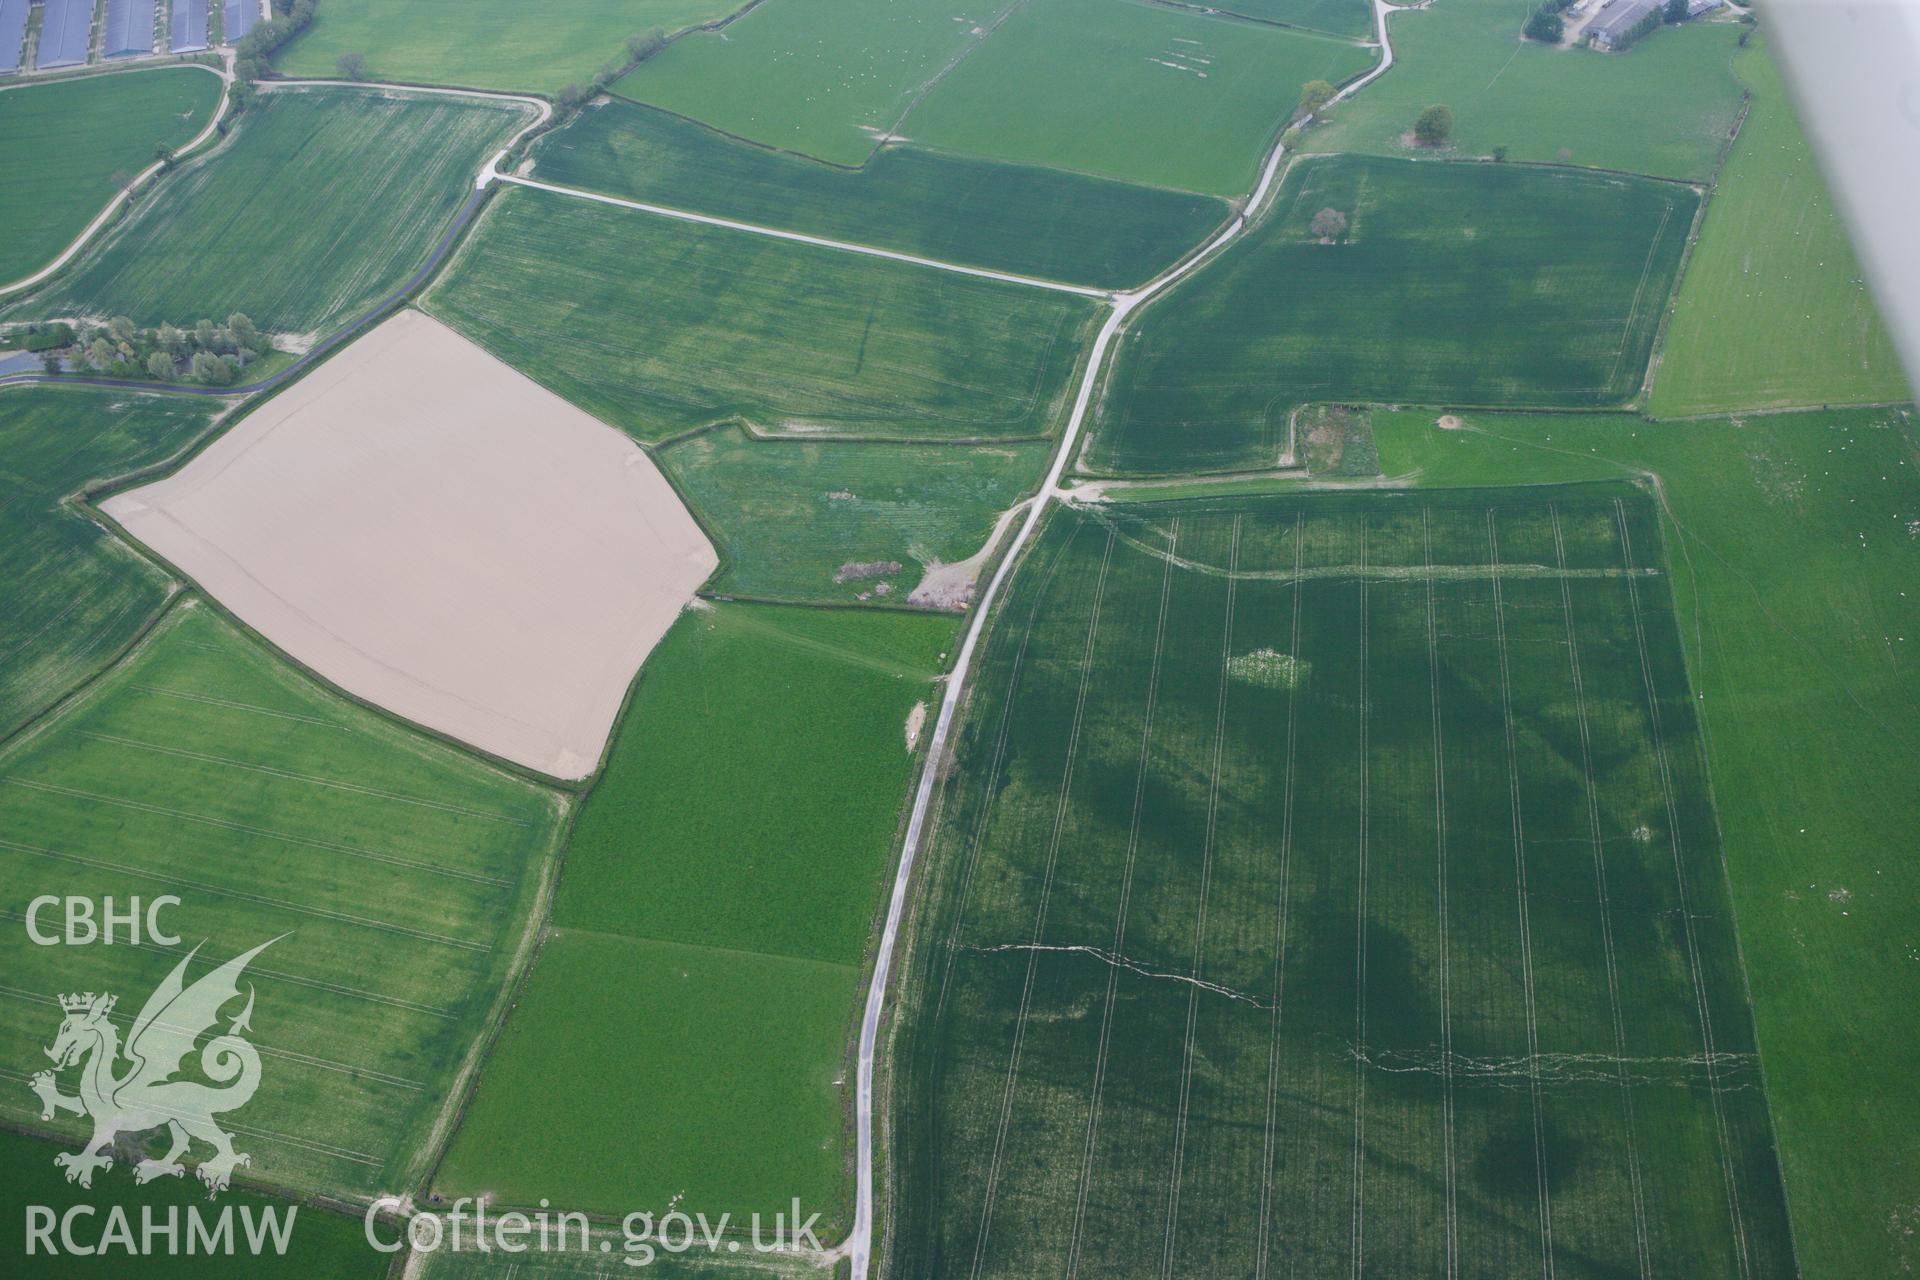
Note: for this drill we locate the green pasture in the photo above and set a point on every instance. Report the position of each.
(1033, 221)
(829, 79)
(485, 44)
(322, 201)
(708, 932)
(1794, 561)
(710, 1076)
(1773, 312)
(751, 797)
(791, 516)
(1352, 18)
(396, 873)
(1664, 107)
(320, 1242)
(660, 326)
(67, 146)
(1330, 884)
(1450, 284)
(1130, 89)
(71, 596)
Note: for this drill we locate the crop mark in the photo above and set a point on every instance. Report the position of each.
(1280, 922)
(229, 704)
(1440, 880)
(1061, 808)
(1078, 1236)
(1606, 908)
(1200, 916)
(225, 824)
(1704, 1014)
(977, 837)
(280, 975)
(1543, 1193)
(101, 864)
(1357, 1239)
(329, 783)
(266, 1050)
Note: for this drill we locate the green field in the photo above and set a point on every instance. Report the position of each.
(573, 1262)
(1794, 563)
(789, 516)
(659, 327)
(1773, 312)
(1132, 90)
(323, 201)
(66, 147)
(1452, 284)
(1338, 17)
(709, 930)
(826, 79)
(1331, 884)
(397, 874)
(320, 1243)
(1663, 107)
(1033, 221)
(485, 44)
(71, 597)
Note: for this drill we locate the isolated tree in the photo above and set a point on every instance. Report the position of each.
(1434, 126)
(50, 361)
(1499, 154)
(244, 334)
(164, 154)
(1314, 94)
(351, 65)
(160, 365)
(1547, 26)
(1328, 224)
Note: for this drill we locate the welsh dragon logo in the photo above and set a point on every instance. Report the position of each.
(147, 1092)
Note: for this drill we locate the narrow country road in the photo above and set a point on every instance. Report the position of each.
(859, 1245)
(543, 111)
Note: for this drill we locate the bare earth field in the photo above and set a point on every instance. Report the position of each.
(439, 535)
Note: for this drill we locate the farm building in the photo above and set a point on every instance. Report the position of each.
(1622, 22)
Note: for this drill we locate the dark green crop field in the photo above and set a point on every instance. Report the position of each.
(322, 201)
(1025, 219)
(659, 326)
(1330, 885)
(1474, 284)
(70, 596)
(397, 875)
(709, 928)
(320, 1243)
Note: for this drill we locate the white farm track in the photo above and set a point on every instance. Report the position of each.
(858, 1247)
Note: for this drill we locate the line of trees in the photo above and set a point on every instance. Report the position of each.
(290, 18)
(641, 45)
(208, 353)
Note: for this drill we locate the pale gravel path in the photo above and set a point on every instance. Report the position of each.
(859, 1244)
(824, 242)
(543, 112)
(125, 193)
